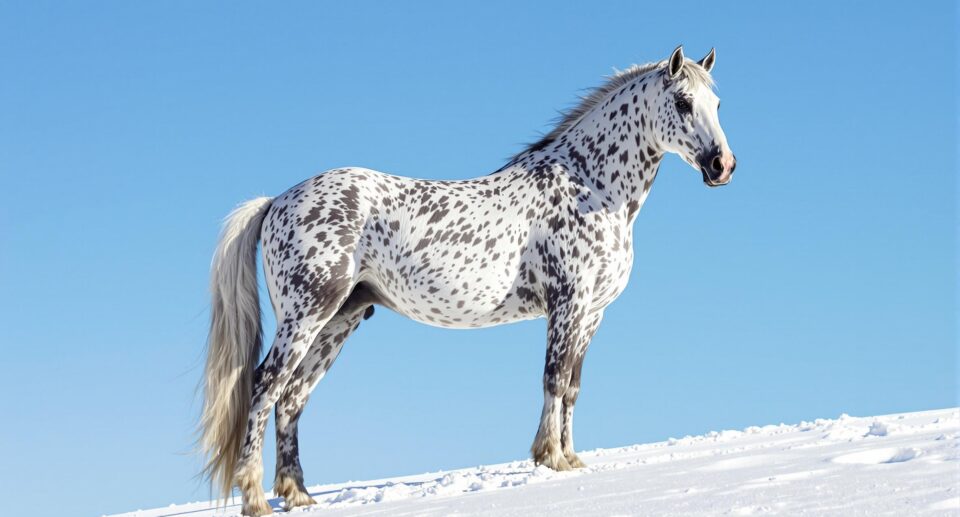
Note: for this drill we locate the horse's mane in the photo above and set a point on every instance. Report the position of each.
(691, 73)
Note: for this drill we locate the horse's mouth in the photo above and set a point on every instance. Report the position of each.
(714, 184)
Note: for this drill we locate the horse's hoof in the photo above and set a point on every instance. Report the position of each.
(561, 465)
(298, 498)
(291, 489)
(575, 461)
(256, 509)
(552, 459)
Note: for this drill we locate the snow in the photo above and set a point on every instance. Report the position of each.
(895, 464)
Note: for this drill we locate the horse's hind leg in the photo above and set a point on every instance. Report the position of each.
(293, 339)
(289, 480)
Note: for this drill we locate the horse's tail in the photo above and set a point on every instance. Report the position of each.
(234, 343)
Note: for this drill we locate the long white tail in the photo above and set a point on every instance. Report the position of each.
(234, 343)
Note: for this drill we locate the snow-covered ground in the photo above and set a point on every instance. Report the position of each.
(905, 464)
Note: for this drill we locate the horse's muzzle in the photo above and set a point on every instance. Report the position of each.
(717, 167)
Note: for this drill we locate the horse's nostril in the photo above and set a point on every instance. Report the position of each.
(716, 164)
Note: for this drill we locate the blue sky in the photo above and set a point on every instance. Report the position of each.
(822, 280)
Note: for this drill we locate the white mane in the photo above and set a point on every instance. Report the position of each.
(691, 73)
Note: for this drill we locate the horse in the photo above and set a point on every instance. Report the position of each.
(548, 235)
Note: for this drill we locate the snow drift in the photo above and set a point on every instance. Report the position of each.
(904, 464)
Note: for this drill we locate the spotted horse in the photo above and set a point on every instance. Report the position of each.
(547, 235)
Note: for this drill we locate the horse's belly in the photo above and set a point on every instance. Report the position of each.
(476, 315)
(446, 257)
(443, 298)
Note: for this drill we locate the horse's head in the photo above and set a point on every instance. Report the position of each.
(686, 118)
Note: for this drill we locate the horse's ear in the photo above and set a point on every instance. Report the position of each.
(676, 62)
(709, 60)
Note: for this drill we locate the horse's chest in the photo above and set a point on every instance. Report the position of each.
(612, 272)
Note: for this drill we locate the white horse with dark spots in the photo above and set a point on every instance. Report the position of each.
(548, 235)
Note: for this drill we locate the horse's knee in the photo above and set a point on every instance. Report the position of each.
(571, 394)
(555, 383)
(561, 374)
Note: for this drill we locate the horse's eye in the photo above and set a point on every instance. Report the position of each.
(683, 105)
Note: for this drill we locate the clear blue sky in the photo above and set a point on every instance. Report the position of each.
(822, 280)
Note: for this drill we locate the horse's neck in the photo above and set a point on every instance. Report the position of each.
(619, 169)
(617, 141)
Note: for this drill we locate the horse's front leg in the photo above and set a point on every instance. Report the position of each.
(569, 329)
(570, 397)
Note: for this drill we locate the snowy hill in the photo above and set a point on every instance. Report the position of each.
(906, 464)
